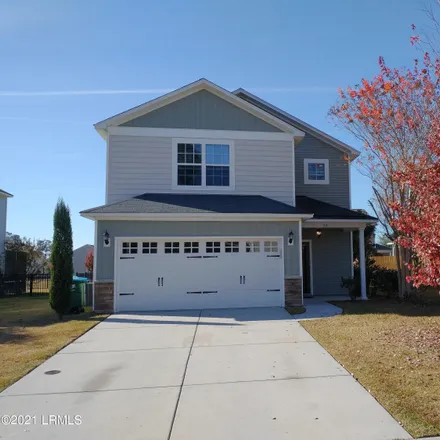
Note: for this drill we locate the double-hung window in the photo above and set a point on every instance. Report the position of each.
(189, 164)
(316, 171)
(203, 164)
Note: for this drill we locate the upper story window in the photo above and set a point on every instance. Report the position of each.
(203, 165)
(217, 165)
(316, 171)
(189, 164)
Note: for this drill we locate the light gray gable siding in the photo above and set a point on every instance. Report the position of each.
(337, 191)
(137, 165)
(331, 260)
(106, 255)
(142, 164)
(202, 110)
(264, 168)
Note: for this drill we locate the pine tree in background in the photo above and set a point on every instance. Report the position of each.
(61, 260)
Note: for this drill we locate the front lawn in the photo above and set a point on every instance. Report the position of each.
(393, 349)
(30, 333)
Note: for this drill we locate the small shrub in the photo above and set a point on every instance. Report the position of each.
(384, 281)
(353, 285)
(61, 260)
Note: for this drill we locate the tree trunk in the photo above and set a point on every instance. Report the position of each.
(402, 257)
(399, 272)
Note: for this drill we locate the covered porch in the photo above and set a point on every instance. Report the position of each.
(327, 248)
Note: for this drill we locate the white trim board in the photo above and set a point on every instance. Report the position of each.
(95, 263)
(340, 224)
(197, 217)
(201, 84)
(202, 134)
(311, 265)
(294, 172)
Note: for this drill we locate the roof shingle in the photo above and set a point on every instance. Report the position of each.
(196, 204)
(322, 210)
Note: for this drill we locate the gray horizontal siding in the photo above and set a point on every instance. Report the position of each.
(331, 260)
(3, 204)
(265, 168)
(140, 164)
(202, 110)
(337, 191)
(137, 165)
(105, 256)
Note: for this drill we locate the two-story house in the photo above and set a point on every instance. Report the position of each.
(4, 196)
(217, 199)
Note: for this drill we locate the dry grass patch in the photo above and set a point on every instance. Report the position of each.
(30, 333)
(393, 349)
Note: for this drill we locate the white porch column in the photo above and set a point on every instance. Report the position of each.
(362, 264)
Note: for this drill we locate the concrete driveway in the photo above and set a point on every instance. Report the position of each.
(222, 374)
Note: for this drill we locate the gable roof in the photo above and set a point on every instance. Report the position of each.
(327, 211)
(172, 203)
(294, 121)
(201, 84)
(6, 194)
(84, 246)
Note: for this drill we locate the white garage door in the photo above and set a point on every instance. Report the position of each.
(173, 274)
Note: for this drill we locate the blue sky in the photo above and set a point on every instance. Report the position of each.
(65, 62)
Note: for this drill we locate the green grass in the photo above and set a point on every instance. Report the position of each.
(393, 349)
(30, 333)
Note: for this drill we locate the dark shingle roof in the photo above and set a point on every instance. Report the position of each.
(322, 210)
(224, 204)
(381, 247)
(196, 204)
(5, 193)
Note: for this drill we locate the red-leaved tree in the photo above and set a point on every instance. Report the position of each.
(392, 114)
(419, 222)
(88, 263)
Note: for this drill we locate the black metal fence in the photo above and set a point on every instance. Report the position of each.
(30, 284)
(36, 285)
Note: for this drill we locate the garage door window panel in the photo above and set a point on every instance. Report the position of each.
(271, 246)
(191, 247)
(149, 247)
(213, 247)
(129, 247)
(232, 247)
(172, 247)
(252, 246)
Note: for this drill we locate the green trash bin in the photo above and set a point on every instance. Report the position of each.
(78, 294)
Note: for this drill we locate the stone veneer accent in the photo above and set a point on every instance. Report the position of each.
(103, 294)
(293, 291)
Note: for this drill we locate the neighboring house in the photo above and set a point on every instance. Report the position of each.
(3, 218)
(386, 251)
(79, 258)
(217, 199)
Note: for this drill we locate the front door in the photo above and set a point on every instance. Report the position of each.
(307, 267)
